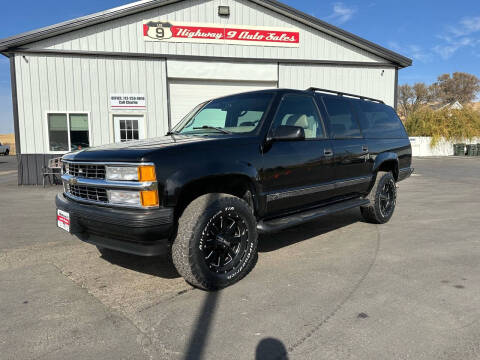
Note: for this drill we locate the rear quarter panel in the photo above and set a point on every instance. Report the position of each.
(401, 147)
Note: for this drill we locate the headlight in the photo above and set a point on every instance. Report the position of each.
(141, 173)
(133, 198)
(122, 173)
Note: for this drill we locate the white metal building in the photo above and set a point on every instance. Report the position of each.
(135, 71)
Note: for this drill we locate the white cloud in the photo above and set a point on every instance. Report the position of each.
(414, 51)
(464, 34)
(341, 13)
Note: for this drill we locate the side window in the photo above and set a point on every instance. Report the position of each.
(298, 110)
(342, 119)
(379, 121)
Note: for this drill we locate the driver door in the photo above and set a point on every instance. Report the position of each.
(298, 173)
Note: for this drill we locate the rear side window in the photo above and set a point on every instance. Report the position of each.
(342, 119)
(379, 121)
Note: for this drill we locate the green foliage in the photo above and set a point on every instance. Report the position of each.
(452, 125)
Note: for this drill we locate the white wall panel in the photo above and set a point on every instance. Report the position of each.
(126, 34)
(215, 70)
(84, 84)
(375, 82)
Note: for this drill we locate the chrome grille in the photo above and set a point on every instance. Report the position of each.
(88, 193)
(87, 171)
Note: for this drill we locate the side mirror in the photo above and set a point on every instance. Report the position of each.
(288, 133)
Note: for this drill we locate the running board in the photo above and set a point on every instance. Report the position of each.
(278, 224)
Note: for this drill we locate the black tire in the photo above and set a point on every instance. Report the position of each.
(215, 226)
(383, 198)
(7, 152)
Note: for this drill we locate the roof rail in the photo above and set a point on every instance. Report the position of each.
(339, 93)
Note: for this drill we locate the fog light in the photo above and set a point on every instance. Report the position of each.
(149, 198)
(122, 197)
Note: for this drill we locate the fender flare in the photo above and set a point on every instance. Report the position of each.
(188, 175)
(383, 158)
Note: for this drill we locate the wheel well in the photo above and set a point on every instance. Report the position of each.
(389, 166)
(237, 185)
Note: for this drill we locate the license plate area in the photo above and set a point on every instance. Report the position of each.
(63, 220)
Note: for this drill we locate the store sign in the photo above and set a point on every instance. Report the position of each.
(128, 101)
(168, 31)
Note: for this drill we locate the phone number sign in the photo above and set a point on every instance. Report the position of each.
(168, 31)
(128, 101)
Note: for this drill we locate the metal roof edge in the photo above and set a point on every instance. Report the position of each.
(330, 29)
(81, 22)
(143, 5)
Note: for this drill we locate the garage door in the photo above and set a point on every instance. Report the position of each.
(186, 94)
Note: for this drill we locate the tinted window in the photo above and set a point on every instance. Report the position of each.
(342, 119)
(237, 114)
(379, 121)
(300, 111)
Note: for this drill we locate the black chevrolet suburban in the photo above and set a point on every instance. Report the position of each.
(233, 168)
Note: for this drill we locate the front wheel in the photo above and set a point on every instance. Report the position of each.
(216, 243)
(383, 199)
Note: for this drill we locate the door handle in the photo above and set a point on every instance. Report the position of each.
(328, 152)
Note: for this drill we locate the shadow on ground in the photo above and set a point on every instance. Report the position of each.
(162, 266)
(291, 236)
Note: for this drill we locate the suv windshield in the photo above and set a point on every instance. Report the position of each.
(237, 114)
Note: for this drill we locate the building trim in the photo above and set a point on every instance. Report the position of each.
(16, 122)
(130, 55)
(169, 110)
(395, 93)
(139, 6)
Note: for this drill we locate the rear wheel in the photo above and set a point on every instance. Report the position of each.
(216, 243)
(7, 152)
(383, 199)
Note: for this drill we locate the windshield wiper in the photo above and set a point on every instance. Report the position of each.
(213, 128)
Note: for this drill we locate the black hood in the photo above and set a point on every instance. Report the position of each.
(142, 150)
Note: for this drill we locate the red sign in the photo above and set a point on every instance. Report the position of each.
(234, 34)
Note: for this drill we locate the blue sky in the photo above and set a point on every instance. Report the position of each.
(440, 36)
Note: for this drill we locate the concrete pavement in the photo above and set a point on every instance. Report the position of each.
(337, 288)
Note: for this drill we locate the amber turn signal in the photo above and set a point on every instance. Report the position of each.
(149, 198)
(146, 173)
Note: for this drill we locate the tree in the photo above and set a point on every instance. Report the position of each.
(461, 87)
(449, 124)
(411, 98)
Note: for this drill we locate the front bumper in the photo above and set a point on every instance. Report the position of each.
(405, 173)
(134, 231)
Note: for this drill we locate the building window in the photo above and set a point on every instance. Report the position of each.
(128, 130)
(68, 131)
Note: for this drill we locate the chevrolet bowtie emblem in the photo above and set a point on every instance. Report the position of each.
(73, 181)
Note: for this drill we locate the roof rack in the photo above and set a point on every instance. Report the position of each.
(339, 93)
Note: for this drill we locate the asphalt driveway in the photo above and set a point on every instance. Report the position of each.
(337, 288)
